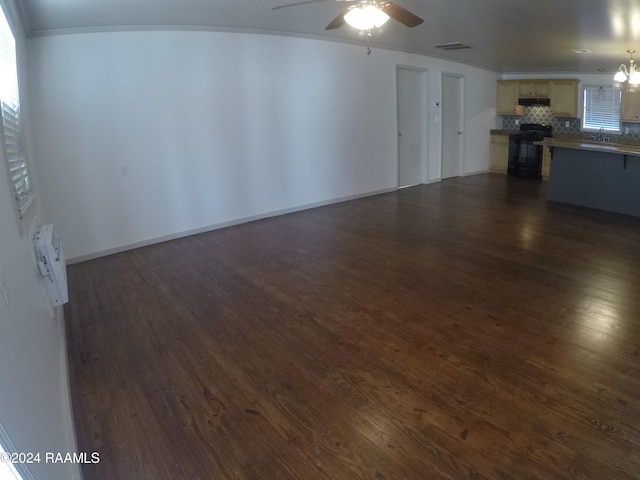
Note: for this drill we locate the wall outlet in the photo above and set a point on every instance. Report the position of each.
(124, 171)
(517, 122)
(626, 130)
(566, 124)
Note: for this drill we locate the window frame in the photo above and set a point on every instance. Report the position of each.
(610, 129)
(11, 126)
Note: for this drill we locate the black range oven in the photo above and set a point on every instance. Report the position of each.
(525, 158)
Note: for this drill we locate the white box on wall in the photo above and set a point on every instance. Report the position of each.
(51, 263)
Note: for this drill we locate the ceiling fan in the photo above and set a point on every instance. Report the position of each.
(366, 14)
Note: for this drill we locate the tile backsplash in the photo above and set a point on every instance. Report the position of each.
(538, 114)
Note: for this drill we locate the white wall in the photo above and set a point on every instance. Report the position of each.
(34, 401)
(215, 127)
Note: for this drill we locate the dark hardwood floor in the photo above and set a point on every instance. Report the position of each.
(461, 330)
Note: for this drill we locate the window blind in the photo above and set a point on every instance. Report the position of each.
(601, 109)
(11, 124)
(18, 172)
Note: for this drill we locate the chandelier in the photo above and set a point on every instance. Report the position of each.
(631, 75)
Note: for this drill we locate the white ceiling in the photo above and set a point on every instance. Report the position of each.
(505, 35)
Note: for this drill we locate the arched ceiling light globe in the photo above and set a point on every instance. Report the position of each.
(366, 17)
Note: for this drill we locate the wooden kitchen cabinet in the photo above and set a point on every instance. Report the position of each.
(533, 88)
(507, 97)
(562, 94)
(546, 162)
(630, 104)
(564, 98)
(499, 153)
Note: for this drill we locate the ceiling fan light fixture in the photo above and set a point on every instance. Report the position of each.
(366, 16)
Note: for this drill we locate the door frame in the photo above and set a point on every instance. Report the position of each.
(462, 124)
(424, 164)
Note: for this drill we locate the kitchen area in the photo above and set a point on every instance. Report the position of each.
(543, 137)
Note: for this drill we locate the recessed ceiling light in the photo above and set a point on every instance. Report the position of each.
(580, 50)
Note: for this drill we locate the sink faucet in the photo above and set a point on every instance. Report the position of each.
(600, 136)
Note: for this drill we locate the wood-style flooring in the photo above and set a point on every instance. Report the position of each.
(462, 330)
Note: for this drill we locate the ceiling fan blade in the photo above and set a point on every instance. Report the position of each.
(338, 21)
(402, 15)
(299, 3)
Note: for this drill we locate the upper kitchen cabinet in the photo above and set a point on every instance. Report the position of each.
(508, 92)
(533, 88)
(564, 98)
(562, 95)
(630, 104)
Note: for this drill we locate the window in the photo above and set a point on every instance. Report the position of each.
(601, 109)
(11, 124)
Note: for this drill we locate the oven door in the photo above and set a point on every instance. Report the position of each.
(525, 158)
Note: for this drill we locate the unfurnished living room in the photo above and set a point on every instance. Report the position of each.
(328, 239)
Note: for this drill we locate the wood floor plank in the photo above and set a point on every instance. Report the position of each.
(466, 329)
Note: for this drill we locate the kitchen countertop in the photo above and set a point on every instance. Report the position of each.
(581, 144)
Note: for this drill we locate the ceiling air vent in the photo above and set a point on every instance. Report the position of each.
(452, 46)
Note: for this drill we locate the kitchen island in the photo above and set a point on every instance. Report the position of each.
(605, 176)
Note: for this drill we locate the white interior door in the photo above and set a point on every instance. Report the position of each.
(452, 123)
(411, 85)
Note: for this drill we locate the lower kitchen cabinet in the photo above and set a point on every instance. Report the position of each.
(546, 162)
(499, 153)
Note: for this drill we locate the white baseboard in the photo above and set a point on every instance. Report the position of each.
(67, 413)
(217, 226)
(477, 172)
